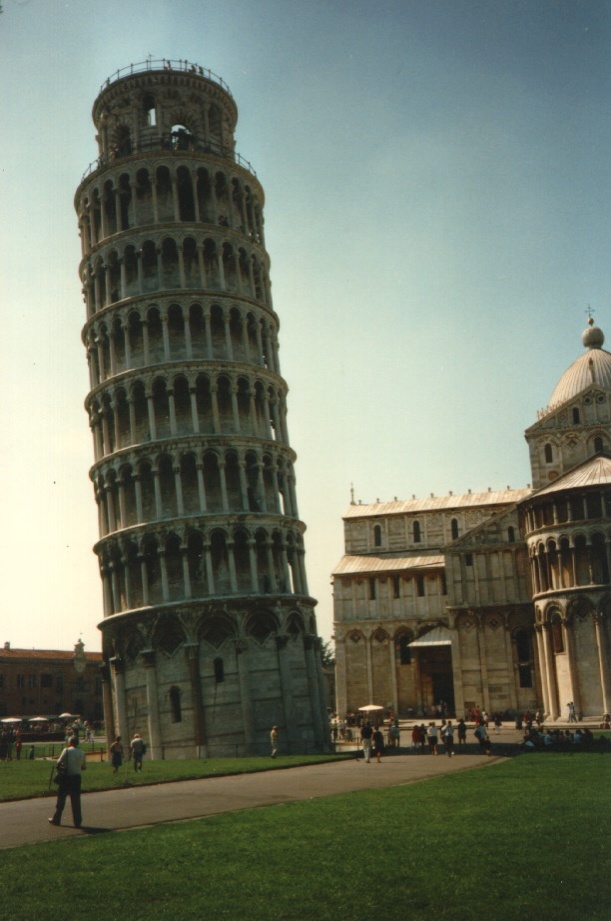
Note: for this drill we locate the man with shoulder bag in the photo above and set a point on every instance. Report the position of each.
(69, 766)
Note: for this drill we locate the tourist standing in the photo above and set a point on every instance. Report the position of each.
(273, 739)
(366, 737)
(378, 743)
(448, 739)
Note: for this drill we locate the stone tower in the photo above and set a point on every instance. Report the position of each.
(209, 634)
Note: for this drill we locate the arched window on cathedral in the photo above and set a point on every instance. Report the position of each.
(405, 653)
(598, 445)
(454, 528)
(416, 531)
(219, 671)
(576, 419)
(175, 705)
(377, 536)
(511, 534)
(548, 453)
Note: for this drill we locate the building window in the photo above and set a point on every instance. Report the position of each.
(444, 584)
(420, 586)
(416, 530)
(454, 528)
(372, 589)
(150, 111)
(548, 453)
(175, 705)
(377, 536)
(20, 681)
(598, 445)
(59, 684)
(511, 534)
(576, 419)
(557, 637)
(32, 682)
(1, 681)
(523, 650)
(219, 671)
(525, 676)
(405, 653)
(396, 586)
(46, 681)
(468, 559)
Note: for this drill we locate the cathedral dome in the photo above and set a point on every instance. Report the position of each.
(593, 367)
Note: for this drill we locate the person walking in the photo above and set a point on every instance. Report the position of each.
(462, 733)
(116, 754)
(366, 737)
(138, 749)
(73, 761)
(378, 743)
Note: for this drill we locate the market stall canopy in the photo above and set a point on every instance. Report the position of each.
(369, 708)
(11, 719)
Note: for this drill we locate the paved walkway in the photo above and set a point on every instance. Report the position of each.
(25, 822)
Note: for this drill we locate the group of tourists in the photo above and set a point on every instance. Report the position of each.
(580, 739)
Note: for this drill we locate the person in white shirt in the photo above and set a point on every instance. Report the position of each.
(73, 761)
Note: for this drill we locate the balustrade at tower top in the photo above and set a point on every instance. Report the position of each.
(130, 120)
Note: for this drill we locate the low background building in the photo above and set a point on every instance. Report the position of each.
(47, 682)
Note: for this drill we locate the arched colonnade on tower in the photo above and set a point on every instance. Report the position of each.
(167, 261)
(149, 334)
(162, 566)
(192, 481)
(182, 191)
(160, 406)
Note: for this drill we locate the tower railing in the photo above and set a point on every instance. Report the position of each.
(165, 64)
(177, 142)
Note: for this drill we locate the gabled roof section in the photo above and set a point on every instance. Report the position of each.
(438, 503)
(375, 563)
(595, 471)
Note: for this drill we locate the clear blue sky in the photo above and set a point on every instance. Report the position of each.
(437, 181)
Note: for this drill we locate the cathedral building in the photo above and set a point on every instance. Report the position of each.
(209, 634)
(498, 600)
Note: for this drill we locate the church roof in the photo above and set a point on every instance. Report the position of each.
(351, 565)
(595, 471)
(593, 367)
(438, 503)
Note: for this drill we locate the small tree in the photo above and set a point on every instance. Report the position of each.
(328, 654)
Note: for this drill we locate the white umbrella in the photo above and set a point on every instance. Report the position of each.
(38, 719)
(369, 708)
(65, 716)
(11, 719)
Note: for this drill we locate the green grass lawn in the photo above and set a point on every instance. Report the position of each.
(27, 779)
(523, 840)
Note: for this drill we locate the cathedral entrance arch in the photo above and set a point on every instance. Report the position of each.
(434, 652)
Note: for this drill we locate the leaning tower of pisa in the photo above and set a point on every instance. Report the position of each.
(209, 633)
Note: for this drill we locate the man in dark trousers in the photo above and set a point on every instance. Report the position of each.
(73, 761)
(366, 735)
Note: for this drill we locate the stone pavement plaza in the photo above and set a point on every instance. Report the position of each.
(26, 821)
